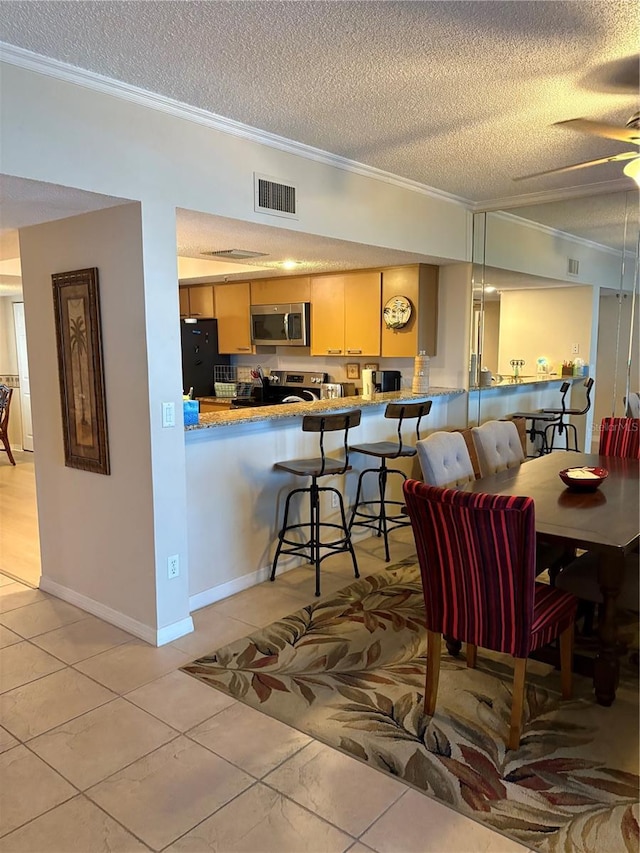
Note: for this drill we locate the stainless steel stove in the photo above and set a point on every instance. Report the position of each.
(286, 386)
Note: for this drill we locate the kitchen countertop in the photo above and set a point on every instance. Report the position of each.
(516, 382)
(289, 410)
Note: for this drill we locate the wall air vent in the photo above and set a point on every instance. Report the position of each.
(273, 197)
(234, 254)
(572, 266)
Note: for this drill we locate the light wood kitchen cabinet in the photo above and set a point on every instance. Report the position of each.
(419, 283)
(271, 291)
(345, 314)
(233, 313)
(197, 301)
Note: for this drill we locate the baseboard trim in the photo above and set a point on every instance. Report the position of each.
(155, 637)
(224, 590)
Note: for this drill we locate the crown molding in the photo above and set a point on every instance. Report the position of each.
(556, 232)
(546, 196)
(30, 61)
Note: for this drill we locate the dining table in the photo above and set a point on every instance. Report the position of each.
(605, 521)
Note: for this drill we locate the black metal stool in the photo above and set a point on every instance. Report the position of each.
(322, 466)
(542, 420)
(563, 425)
(383, 450)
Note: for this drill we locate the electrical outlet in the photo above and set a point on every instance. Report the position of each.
(173, 566)
(335, 500)
(575, 349)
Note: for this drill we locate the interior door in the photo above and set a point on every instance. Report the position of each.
(23, 374)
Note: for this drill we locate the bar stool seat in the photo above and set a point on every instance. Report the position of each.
(311, 546)
(374, 514)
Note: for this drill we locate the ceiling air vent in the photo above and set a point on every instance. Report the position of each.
(234, 254)
(274, 198)
(572, 266)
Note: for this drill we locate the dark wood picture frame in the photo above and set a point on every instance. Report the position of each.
(84, 418)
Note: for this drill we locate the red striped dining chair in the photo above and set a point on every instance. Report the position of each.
(477, 559)
(620, 437)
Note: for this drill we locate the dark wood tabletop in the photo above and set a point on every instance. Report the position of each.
(608, 518)
(606, 521)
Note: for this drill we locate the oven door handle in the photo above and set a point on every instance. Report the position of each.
(286, 327)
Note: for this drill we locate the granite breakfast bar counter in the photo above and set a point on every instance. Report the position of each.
(235, 498)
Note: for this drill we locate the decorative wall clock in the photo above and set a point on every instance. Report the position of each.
(397, 312)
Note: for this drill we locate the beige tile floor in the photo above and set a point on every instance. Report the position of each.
(106, 746)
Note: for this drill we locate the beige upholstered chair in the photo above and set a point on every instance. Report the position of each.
(498, 446)
(444, 460)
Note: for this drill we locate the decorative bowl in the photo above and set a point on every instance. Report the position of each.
(583, 479)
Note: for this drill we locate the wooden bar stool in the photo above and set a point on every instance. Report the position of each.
(373, 514)
(322, 466)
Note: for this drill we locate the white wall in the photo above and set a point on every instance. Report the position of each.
(516, 244)
(545, 322)
(102, 541)
(104, 144)
(236, 498)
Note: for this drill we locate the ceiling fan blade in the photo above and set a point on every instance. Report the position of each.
(598, 128)
(627, 155)
(620, 76)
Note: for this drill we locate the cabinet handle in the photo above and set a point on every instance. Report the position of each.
(334, 351)
(196, 313)
(244, 349)
(354, 352)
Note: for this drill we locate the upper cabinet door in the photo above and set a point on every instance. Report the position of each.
(183, 293)
(362, 316)
(272, 291)
(234, 321)
(201, 302)
(418, 283)
(327, 315)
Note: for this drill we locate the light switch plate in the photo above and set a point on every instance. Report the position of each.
(168, 415)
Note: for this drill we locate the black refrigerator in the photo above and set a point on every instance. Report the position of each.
(199, 356)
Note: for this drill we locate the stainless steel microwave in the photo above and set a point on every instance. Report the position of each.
(283, 325)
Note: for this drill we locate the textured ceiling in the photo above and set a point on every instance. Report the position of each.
(459, 96)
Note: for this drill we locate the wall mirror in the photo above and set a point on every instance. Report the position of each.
(555, 288)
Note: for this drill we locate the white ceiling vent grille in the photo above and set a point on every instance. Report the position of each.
(275, 198)
(234, 254)
(572, 266)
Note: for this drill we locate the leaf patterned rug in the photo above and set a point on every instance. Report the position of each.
(349, 670)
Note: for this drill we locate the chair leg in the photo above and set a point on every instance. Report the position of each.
(281, 536)
(433, 671)
(315, 531)
(453, 646)
(382, 488)
(517, 702)
(347, 533)
(472, 654)
(7, 447)
(566, 660)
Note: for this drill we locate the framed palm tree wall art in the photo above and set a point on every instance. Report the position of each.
(84, 417)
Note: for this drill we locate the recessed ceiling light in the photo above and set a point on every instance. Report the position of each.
(489, 289)
(289, 265)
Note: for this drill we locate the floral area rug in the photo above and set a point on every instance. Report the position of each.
(350, 671)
